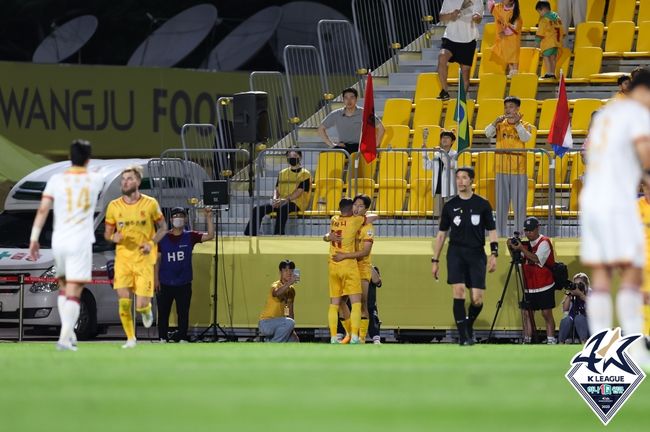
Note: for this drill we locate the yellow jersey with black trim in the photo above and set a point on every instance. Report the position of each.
(137, 224)
(348, 228)
(644, 212)
(550, 32)
(366, 234)
(289, 180)
(508, 138)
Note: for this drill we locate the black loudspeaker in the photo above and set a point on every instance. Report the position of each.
(250, 117)
(215, 193)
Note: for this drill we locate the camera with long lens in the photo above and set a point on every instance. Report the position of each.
(570, 286)
(514, 241)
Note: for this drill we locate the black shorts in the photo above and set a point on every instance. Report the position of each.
(540, 300)
(461, 52)
(351, 147)
(465, 265)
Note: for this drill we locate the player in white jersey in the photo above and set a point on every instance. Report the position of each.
(618, 158)
(73, 196)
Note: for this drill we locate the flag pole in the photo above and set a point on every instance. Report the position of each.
(460, 79)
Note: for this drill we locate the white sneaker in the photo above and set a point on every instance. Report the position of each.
(334, 340)
(130, 343)
(376, 341)
(65, 347)
(355, 340)
(147, 319)
(551, 341)
(73, 339)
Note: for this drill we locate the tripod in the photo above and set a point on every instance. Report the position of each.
(214, 324)
(515, 265)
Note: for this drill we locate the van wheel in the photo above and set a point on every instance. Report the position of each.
(86, 327)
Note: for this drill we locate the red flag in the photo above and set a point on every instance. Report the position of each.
(368, 144)
(560, 133)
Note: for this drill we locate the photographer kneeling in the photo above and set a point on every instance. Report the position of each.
(537, 260)
(276, 320)
(575, 314)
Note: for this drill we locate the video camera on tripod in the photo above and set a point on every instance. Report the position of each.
(513, 242)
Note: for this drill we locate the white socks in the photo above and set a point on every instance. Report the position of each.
(60, 301)
(69, 316)
(599, 311)
(629, 310)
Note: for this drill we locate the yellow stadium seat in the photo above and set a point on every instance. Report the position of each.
(433, 140)
(492, 86)
(330, 165)
(528, 60)
(620, 36)
(395, 136)
(488, 110)
(420, 201)
(452, 70)
(563, 61)
(574, 201)
(392, 165)
(589, 34)
(596, 10)
(533, 137)
(581, 117)
(489, 66)
(528, 109)
(577, 165)
(485, 187)
(359, 168)
(485, 165)
(397, 111)
(449, 122)
(392, 193)
(621, 10)
(466, 159)
(546, 116)
(427, 111)
(644, 12)
(524, 86)
(418, 167)
(543, 171)
(642, 41)
(362, 186)
(327, 194)
(587, 62)
(489, 36)
(529, 15)
(427, 86)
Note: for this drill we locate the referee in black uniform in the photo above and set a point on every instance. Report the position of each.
(466, 217)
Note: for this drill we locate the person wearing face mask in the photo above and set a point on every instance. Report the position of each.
(443, 182)
(291, 194)
(173, 275)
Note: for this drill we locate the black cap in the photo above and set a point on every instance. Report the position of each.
(531, 223)
(179, 210)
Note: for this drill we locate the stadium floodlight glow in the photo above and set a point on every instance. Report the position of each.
(45, 287)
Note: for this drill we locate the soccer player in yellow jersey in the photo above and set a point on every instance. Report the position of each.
(344, 278)
(135, 224)
(363, 248)
(644, 210)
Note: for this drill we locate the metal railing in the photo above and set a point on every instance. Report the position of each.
(307, 83)
(373, 21)
(412, 20)
(341, 54)
(282, 118)
(178, 177)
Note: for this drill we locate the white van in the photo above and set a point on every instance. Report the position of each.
(98, 301)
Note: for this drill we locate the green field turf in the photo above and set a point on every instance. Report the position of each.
(298, 387)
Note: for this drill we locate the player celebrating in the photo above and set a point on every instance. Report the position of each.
(612, 233)
(131, 223)
(344, 276)
(73, 194)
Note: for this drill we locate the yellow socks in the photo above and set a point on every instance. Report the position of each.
(145, 310)
(127, 318)
(363, 329)
(333, 319)
(355, 318)
(347, 325)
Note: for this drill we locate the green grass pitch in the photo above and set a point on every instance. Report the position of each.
(298, 387)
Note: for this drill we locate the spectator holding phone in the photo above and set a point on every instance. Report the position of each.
(277, 317)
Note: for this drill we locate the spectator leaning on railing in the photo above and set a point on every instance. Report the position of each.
(511, 179)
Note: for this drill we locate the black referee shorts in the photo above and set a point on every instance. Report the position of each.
(461, 52)
(466, 265)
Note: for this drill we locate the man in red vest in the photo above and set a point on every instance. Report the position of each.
(538, 279)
